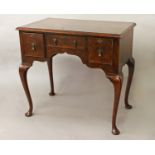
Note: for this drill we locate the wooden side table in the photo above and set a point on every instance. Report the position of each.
(99, 44)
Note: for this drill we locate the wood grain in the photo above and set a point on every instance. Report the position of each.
(80, 27)
(99, 44)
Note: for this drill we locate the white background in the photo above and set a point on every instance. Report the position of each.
(146, 62)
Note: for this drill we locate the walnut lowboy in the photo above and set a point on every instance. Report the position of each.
(99, 44)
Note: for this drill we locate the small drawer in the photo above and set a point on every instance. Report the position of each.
(66, 42)
(33, 45)
(100, 50)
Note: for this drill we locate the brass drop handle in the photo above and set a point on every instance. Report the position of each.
(100, 52)
(55, 41)
(33, 46)
(75, 43)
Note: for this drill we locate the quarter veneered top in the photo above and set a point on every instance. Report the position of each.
(80, 27)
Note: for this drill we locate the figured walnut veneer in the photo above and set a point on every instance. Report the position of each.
(99, 44)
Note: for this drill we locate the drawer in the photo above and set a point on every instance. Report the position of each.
(66, 42)
(33, 45)
(100, 50)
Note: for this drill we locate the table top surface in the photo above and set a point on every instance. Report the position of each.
(79, 27)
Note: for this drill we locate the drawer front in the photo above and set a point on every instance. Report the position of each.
(100, 50)
(66, 42)
(33, 45)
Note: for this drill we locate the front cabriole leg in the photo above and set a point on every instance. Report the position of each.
(117, 81)
(23, 75)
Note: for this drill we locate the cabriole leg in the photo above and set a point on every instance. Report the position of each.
(131, 66)
(50, 69)
(117, 83)
(23, 75)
